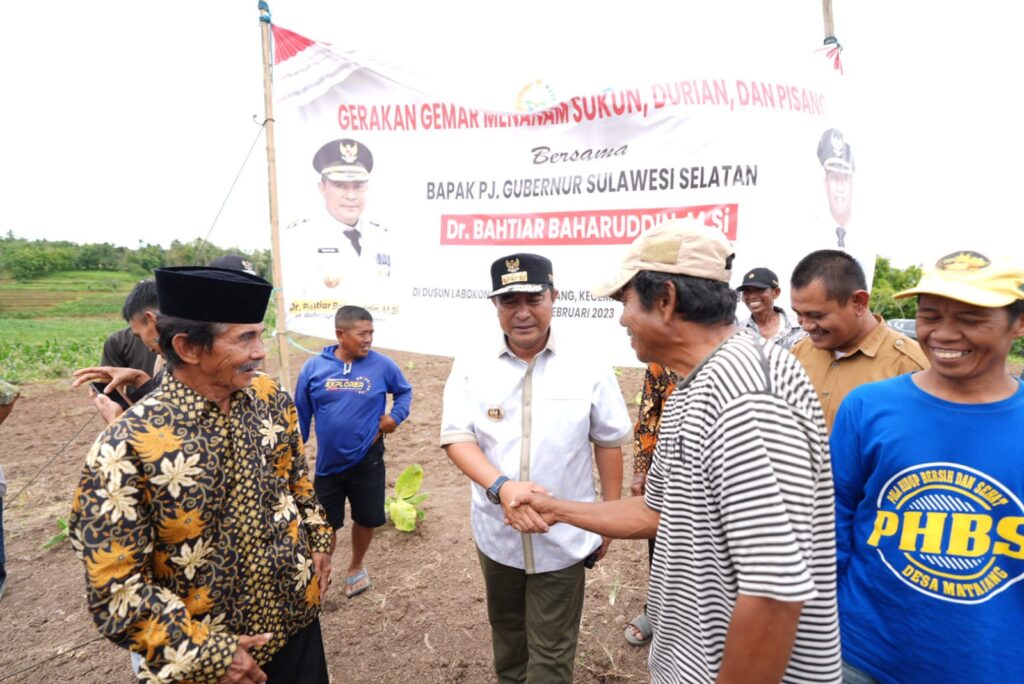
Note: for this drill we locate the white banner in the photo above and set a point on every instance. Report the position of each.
(757, 151)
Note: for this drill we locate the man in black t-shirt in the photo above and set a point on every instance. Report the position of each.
(130, 362)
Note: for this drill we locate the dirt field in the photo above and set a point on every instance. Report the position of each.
(424, 620)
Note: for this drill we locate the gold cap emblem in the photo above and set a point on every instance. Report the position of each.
(349, 152)
(837, 144)
(962, 261)
(512, 265)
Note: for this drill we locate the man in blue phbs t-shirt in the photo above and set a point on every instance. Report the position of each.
(929, 474)
(345, 389)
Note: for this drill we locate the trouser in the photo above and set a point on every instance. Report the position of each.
(3, 554)
(301, 660)
(535, 621)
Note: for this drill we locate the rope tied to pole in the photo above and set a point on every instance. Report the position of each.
(833, 49)
(264, 9)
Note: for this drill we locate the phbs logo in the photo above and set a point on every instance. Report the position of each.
(950, 532)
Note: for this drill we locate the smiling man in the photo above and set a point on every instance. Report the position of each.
(742, 586)
(758, 290)
(344, 391)
(524, 415)
(846, 345)
(204, 547)
(929, 472)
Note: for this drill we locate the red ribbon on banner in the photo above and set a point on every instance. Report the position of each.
(834, 50)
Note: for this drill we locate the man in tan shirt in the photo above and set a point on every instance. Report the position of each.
(846, 345)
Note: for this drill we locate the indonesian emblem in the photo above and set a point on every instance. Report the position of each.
(349, 152)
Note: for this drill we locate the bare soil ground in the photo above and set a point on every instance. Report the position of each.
(424, 619)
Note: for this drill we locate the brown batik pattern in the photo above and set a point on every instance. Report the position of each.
(196, 526)
(658, 384)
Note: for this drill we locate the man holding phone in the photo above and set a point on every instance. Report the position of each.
(131, 365)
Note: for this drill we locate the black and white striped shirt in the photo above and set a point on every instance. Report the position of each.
(743, 481)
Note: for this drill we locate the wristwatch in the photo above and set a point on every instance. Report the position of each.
(492, 491)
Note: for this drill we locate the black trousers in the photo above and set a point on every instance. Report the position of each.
(301, 660)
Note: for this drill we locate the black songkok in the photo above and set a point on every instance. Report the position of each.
(212, 295)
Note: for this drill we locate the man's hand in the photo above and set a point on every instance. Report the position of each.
(523, 518)
(108, 408)
(539, 507)
(322, 568)
(387, 425)
(243, 669)
(115, 377)
(603, 549)
(639, 482)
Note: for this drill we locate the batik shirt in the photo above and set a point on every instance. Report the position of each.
(196, 526)
(658, 384)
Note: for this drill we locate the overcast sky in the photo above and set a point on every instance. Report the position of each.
(127, 121)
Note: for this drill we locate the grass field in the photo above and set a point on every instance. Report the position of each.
(51, 326)
(70, 293)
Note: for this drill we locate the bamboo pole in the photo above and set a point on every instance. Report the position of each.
(826, 13)
(275, 233)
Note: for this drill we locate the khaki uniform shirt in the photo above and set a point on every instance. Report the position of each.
(883, 354)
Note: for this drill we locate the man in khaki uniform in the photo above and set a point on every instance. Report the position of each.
(846, 345)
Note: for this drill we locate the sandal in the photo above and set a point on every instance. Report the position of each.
(642, 626)
(356, 584)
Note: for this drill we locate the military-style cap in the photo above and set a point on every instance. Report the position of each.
(212, 295)
(834, 153)
(760, 278)
(973, 278)
(679, 246)
(521, 273)
(236, 262)
(344, 160)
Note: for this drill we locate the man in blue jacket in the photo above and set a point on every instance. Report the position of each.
(346, 388)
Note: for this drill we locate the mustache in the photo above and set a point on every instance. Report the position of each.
(249, 367)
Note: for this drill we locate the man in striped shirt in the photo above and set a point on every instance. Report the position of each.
(743, 584)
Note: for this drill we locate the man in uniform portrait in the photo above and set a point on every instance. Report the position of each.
(341, 257)
(836, 159)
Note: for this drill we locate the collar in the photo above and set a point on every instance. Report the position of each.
(504, 348)
(870, 345)
(191, 402)
(358, 227)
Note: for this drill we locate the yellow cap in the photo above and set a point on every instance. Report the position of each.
(679, 246)
(972, 278)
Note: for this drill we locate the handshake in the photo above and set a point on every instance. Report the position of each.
(528, 507)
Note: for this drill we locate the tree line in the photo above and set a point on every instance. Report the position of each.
(25, 260)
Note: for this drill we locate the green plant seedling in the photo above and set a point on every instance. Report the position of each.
(60, 538)
(404, 507)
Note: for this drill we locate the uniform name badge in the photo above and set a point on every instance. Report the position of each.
(495, 413)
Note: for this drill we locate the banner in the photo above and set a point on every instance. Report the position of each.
(398, 199)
